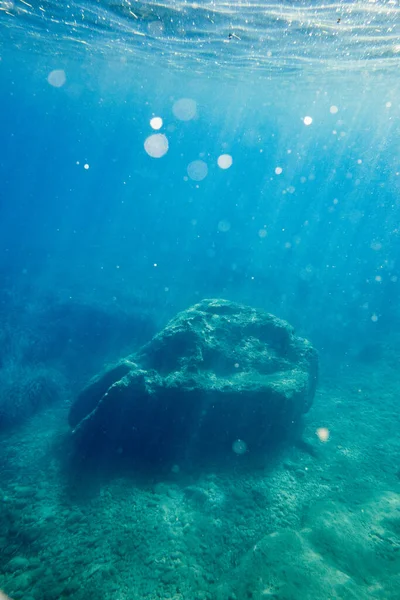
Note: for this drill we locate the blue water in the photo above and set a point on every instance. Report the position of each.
(317, 243)
(102, 243)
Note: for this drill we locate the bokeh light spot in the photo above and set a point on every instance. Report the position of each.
(224, 226)
(239, 447)
(197, 170)
(185, 109)
(156, 145)
(156, 123)
(57, 78)
(376, 245)
(155, 28)
(224, 161)
(323, 434)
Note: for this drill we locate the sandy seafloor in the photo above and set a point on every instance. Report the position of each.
(316, 521)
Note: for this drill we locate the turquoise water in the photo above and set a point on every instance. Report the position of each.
(154, 155)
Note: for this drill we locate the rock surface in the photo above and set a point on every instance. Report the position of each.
(217, 373)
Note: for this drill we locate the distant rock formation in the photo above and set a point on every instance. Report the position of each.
(25, 390)
(218, 373)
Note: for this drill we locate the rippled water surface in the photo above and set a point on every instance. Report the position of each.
(263, 36)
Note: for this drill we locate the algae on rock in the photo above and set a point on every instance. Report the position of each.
(218, 372)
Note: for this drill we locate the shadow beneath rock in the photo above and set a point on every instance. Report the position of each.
(87, 473)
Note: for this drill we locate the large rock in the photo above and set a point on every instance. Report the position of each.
(219, 372)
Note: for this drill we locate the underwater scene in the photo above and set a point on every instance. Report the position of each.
(199, 300)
